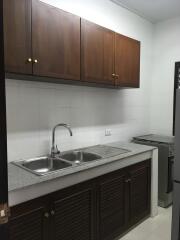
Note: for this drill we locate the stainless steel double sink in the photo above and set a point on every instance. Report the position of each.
(46, 165)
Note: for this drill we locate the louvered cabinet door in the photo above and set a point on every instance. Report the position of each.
(139, 191)
(112, 205)
(28, 224)
(73, 218)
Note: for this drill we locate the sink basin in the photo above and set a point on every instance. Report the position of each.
(80, 156)
(43, 165)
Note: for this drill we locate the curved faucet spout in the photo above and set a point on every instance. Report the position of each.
(54, 149)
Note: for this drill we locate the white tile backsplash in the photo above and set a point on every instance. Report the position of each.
(33, 109)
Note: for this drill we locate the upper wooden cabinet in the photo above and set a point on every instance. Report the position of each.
(52, 49)
(127, 61)
(55, 41)
(41, 40)
(97, 53)
(108, 57)
(17, 36)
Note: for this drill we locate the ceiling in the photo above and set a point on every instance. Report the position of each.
(153, 10)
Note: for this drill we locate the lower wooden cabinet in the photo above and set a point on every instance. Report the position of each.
(99, 209)
(139, 191)
(73, 213)
(67, 214)
(29, 221)
(112, 205)
(123, 199)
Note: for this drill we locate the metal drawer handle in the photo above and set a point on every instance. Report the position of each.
(29, 60)
(128, 180)
(52, 212)
(46, 215)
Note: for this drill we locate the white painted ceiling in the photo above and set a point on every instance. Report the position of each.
(153, 10)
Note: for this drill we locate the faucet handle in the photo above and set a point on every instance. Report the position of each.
(54, 151)
(57, 150)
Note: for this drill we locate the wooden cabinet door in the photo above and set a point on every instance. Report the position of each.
(97, 53)
(55, 41)
(17, 36)
(112, 205)
(28, 222)
(140, 177)
(127, 61)
(74, 215)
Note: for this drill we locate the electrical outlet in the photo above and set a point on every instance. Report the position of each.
(108, 132)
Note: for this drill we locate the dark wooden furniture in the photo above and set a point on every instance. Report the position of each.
(44, 43)
(30, 221)
(67, 214)
(55, 42)
(97, 53)
(139, 191)
(17, 36)
(41, 40)
(99, 209)
(73, 213)
(108, 57)
(123, 199)
(112, 196)
(127, 61)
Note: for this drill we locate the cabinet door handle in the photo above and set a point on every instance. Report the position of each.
(35, 61)
(128, 180)
(113, 75)
(117, 76)
(52, 212)
(29, 60)
(46, 215)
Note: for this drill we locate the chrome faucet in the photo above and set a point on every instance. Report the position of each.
(54, 149)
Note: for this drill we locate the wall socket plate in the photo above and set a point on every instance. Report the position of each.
(108, 132)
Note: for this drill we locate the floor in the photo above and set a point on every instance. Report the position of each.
(157, 228)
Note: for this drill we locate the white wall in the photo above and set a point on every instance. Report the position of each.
(34, 108)
(166, 53)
